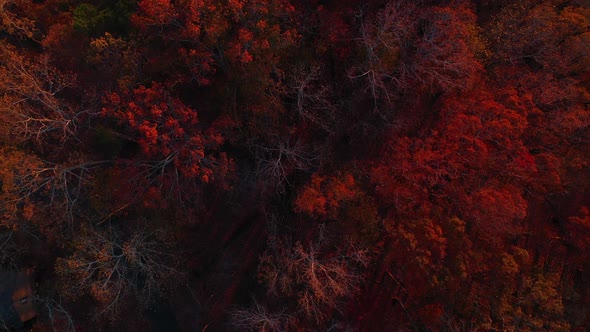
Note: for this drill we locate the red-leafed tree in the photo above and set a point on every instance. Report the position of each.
(454, 202)
(496, 212)
(202, 33)
(168, 131)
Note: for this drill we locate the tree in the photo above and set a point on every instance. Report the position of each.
(313, 98)
(384, 42)
(8, 248)
(53, 314)
(578, 230)
(536, 305)
(117, 60)
(32, 102)
(549, 35)
(314, 278)
(323, 196)
(59, 187)
(277, 159)
(109, 266)
(204, 28)
(89, 19)
(445, 54)
(258, 318)
(496, 212)
(433, 48)
(13, 22)
(168, 132)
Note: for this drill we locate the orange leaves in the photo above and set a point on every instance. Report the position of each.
(312, 200)
(322, 197)
(424, 238)
(13, 21)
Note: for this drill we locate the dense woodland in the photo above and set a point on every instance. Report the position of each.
(298, 165)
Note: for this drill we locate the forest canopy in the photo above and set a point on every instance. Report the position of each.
(282, 165)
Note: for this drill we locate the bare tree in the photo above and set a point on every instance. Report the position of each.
(8, 249)
(55, 185)
(109, 267)
(31, 98)
(314, 277)
(276, 162)
(402, 47)
(313, 98)
(383, 41)
(444, 58)
(258, 318)
(53, 312)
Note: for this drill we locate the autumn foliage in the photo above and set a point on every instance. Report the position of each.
(280, 165)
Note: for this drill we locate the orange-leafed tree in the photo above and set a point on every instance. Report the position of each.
(13, 20)
(323, 196)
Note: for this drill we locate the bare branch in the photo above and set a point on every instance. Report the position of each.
(110, 267)
(313, 98)
(275, 163)
(30, 99)
(53, 310)
(316, 280)
(58, 186)
(8, 250)
(258, 319)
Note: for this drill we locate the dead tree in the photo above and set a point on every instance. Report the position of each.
(8, 249)
(54, 315)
